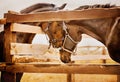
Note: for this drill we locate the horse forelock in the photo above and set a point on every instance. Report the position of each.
(95, 6)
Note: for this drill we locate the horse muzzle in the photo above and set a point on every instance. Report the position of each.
(65, 57)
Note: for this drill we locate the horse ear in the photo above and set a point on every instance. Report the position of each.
(44, 25)
(63, 6)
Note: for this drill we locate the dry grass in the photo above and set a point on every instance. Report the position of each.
(45, 77)
(95, 78)
(50, 77)
(37, 77)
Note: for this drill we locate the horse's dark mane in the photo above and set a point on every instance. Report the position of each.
(38, 6)
(41, 7)
(95, 6)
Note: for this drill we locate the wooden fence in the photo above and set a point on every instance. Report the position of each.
(11, 47)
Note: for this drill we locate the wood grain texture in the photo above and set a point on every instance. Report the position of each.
(19, 48)
(8, 38)
(65, 68)
(64, 15)
(15, 27)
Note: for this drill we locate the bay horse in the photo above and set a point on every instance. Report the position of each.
(105, 30)
(66, 35)
(27, 38)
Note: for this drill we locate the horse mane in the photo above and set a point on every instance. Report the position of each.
(39, 7)
(95, 6)
(42, 7)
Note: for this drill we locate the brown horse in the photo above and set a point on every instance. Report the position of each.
(27, 38)
(66, 35)
(105, 30)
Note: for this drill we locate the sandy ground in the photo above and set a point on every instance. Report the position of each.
(37, 77)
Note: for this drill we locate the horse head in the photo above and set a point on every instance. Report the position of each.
(54, 29)
(72, 37)
(55, 33)
(63, 37)
(36, 8)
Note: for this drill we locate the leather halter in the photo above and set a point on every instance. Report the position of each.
(65, 39)
(68, 38)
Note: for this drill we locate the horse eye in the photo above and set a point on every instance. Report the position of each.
(55, 32)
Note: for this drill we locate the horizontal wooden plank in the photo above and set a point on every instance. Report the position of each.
(19, 48)
(90, 57)
(64, 15)
(65, 68)
(32, 49)
(40, 49)
(80, 57)
(15, 27)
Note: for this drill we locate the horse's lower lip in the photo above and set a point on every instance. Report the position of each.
(65, 59)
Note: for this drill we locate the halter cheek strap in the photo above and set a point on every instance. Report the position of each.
(67, 34)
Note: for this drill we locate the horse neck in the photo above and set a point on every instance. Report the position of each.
(96, 28)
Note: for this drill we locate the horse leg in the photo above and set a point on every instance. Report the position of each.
(18, 76)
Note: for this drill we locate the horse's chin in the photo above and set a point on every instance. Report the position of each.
(65, 57)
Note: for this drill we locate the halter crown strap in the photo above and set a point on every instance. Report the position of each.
(67, 34)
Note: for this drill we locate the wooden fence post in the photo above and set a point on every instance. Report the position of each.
(8, 38)
(70, 77)
(8, 77)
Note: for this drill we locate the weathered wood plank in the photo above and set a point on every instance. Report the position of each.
(15, 27)
(64, 15)
(65, 68)
(8, 38)
(25, 49)
(19, 48)
(90, 57)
